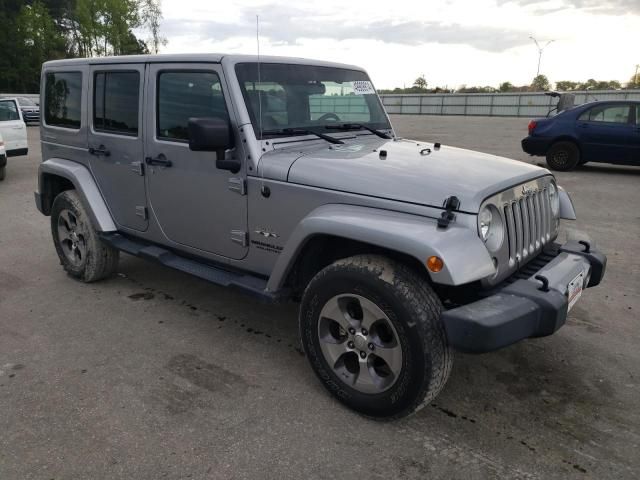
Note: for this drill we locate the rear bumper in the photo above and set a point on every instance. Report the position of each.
(523, 309)
(535, 145)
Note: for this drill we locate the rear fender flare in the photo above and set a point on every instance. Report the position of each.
(84, 184)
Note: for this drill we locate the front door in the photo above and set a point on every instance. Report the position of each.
(605, 132)
(196, 204)
(115, 140)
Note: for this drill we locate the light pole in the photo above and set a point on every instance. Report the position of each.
(636, 76)
(540, 50)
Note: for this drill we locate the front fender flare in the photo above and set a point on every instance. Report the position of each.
(85, 185)
(465, 257)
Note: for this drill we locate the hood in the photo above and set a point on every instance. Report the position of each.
(411, 171)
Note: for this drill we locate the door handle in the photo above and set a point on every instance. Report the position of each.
(101, 150)
(160, 161)
(17, 127)
(583, 125)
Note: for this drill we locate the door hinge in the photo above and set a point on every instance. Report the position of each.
(240, 237)
(141, 211)
(137, 167)
(238, 185)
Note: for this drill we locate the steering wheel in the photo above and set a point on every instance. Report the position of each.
(329, 116)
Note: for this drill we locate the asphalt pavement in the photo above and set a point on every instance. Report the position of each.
(155, 374)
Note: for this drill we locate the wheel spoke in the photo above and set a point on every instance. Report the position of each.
(334, 311)
(392, 356)
(371, 313)
(364, 379)
(333, 351)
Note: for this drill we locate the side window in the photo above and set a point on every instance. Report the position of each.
(8, 111)
(63, 99)
(183, 95)
(115, 102)
(607, 113)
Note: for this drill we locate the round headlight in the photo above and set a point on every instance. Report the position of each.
(490, 227)
(554, 198)
(484, 223)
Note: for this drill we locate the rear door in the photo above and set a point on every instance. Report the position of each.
(115, 140)
(12, 127)
(606, 131)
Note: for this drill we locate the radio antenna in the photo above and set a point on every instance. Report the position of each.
(259, 78)
(259, 101)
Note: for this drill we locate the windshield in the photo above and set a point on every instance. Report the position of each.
(26, 102)
(308, 97)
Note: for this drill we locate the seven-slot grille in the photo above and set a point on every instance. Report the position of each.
(529, 223)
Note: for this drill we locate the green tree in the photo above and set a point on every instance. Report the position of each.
(420, 83)
(634, 81)
(540, 84)
(34, 31)
(566, 85)
(151, 15)
(506, 87)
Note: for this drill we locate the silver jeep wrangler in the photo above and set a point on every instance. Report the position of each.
(283, 177)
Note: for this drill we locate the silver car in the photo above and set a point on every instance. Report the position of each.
(283, 177)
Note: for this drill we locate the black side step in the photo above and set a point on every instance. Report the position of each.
(226, 278)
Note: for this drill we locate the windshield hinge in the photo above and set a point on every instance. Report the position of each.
(450, 204)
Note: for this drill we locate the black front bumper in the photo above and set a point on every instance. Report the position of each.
(524, 308)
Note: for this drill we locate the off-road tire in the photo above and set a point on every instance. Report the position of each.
(563, 156)
(99, 260)
(414, 310)
(3, 173)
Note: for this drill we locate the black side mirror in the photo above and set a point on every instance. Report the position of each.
(213, 135)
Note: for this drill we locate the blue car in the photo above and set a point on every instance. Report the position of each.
(605, 131)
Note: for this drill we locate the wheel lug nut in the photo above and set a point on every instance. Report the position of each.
(350, 344)
(352, 331)
(364, 331)
(371, 346)
(363, 354)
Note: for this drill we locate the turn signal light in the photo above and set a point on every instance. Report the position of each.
(532, 126)
(435, 264)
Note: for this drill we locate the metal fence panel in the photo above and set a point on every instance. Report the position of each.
(492, 104)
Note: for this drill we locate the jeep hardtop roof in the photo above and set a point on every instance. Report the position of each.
(194, 57)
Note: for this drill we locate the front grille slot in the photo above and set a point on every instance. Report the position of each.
(528, 225)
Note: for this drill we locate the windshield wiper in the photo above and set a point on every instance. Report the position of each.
(302, 131)
(358, 126)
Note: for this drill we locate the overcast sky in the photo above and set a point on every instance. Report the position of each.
(451, 42)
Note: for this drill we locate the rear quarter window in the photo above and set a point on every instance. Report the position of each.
(63, 99)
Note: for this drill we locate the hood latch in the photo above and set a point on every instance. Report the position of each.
(450, 204)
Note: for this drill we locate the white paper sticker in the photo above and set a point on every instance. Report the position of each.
(363, 87)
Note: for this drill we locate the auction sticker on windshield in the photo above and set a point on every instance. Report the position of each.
(574, 290)
(363, 87)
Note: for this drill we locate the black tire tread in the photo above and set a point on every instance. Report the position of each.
(420, 298)
(574, 153)
(102, 259)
